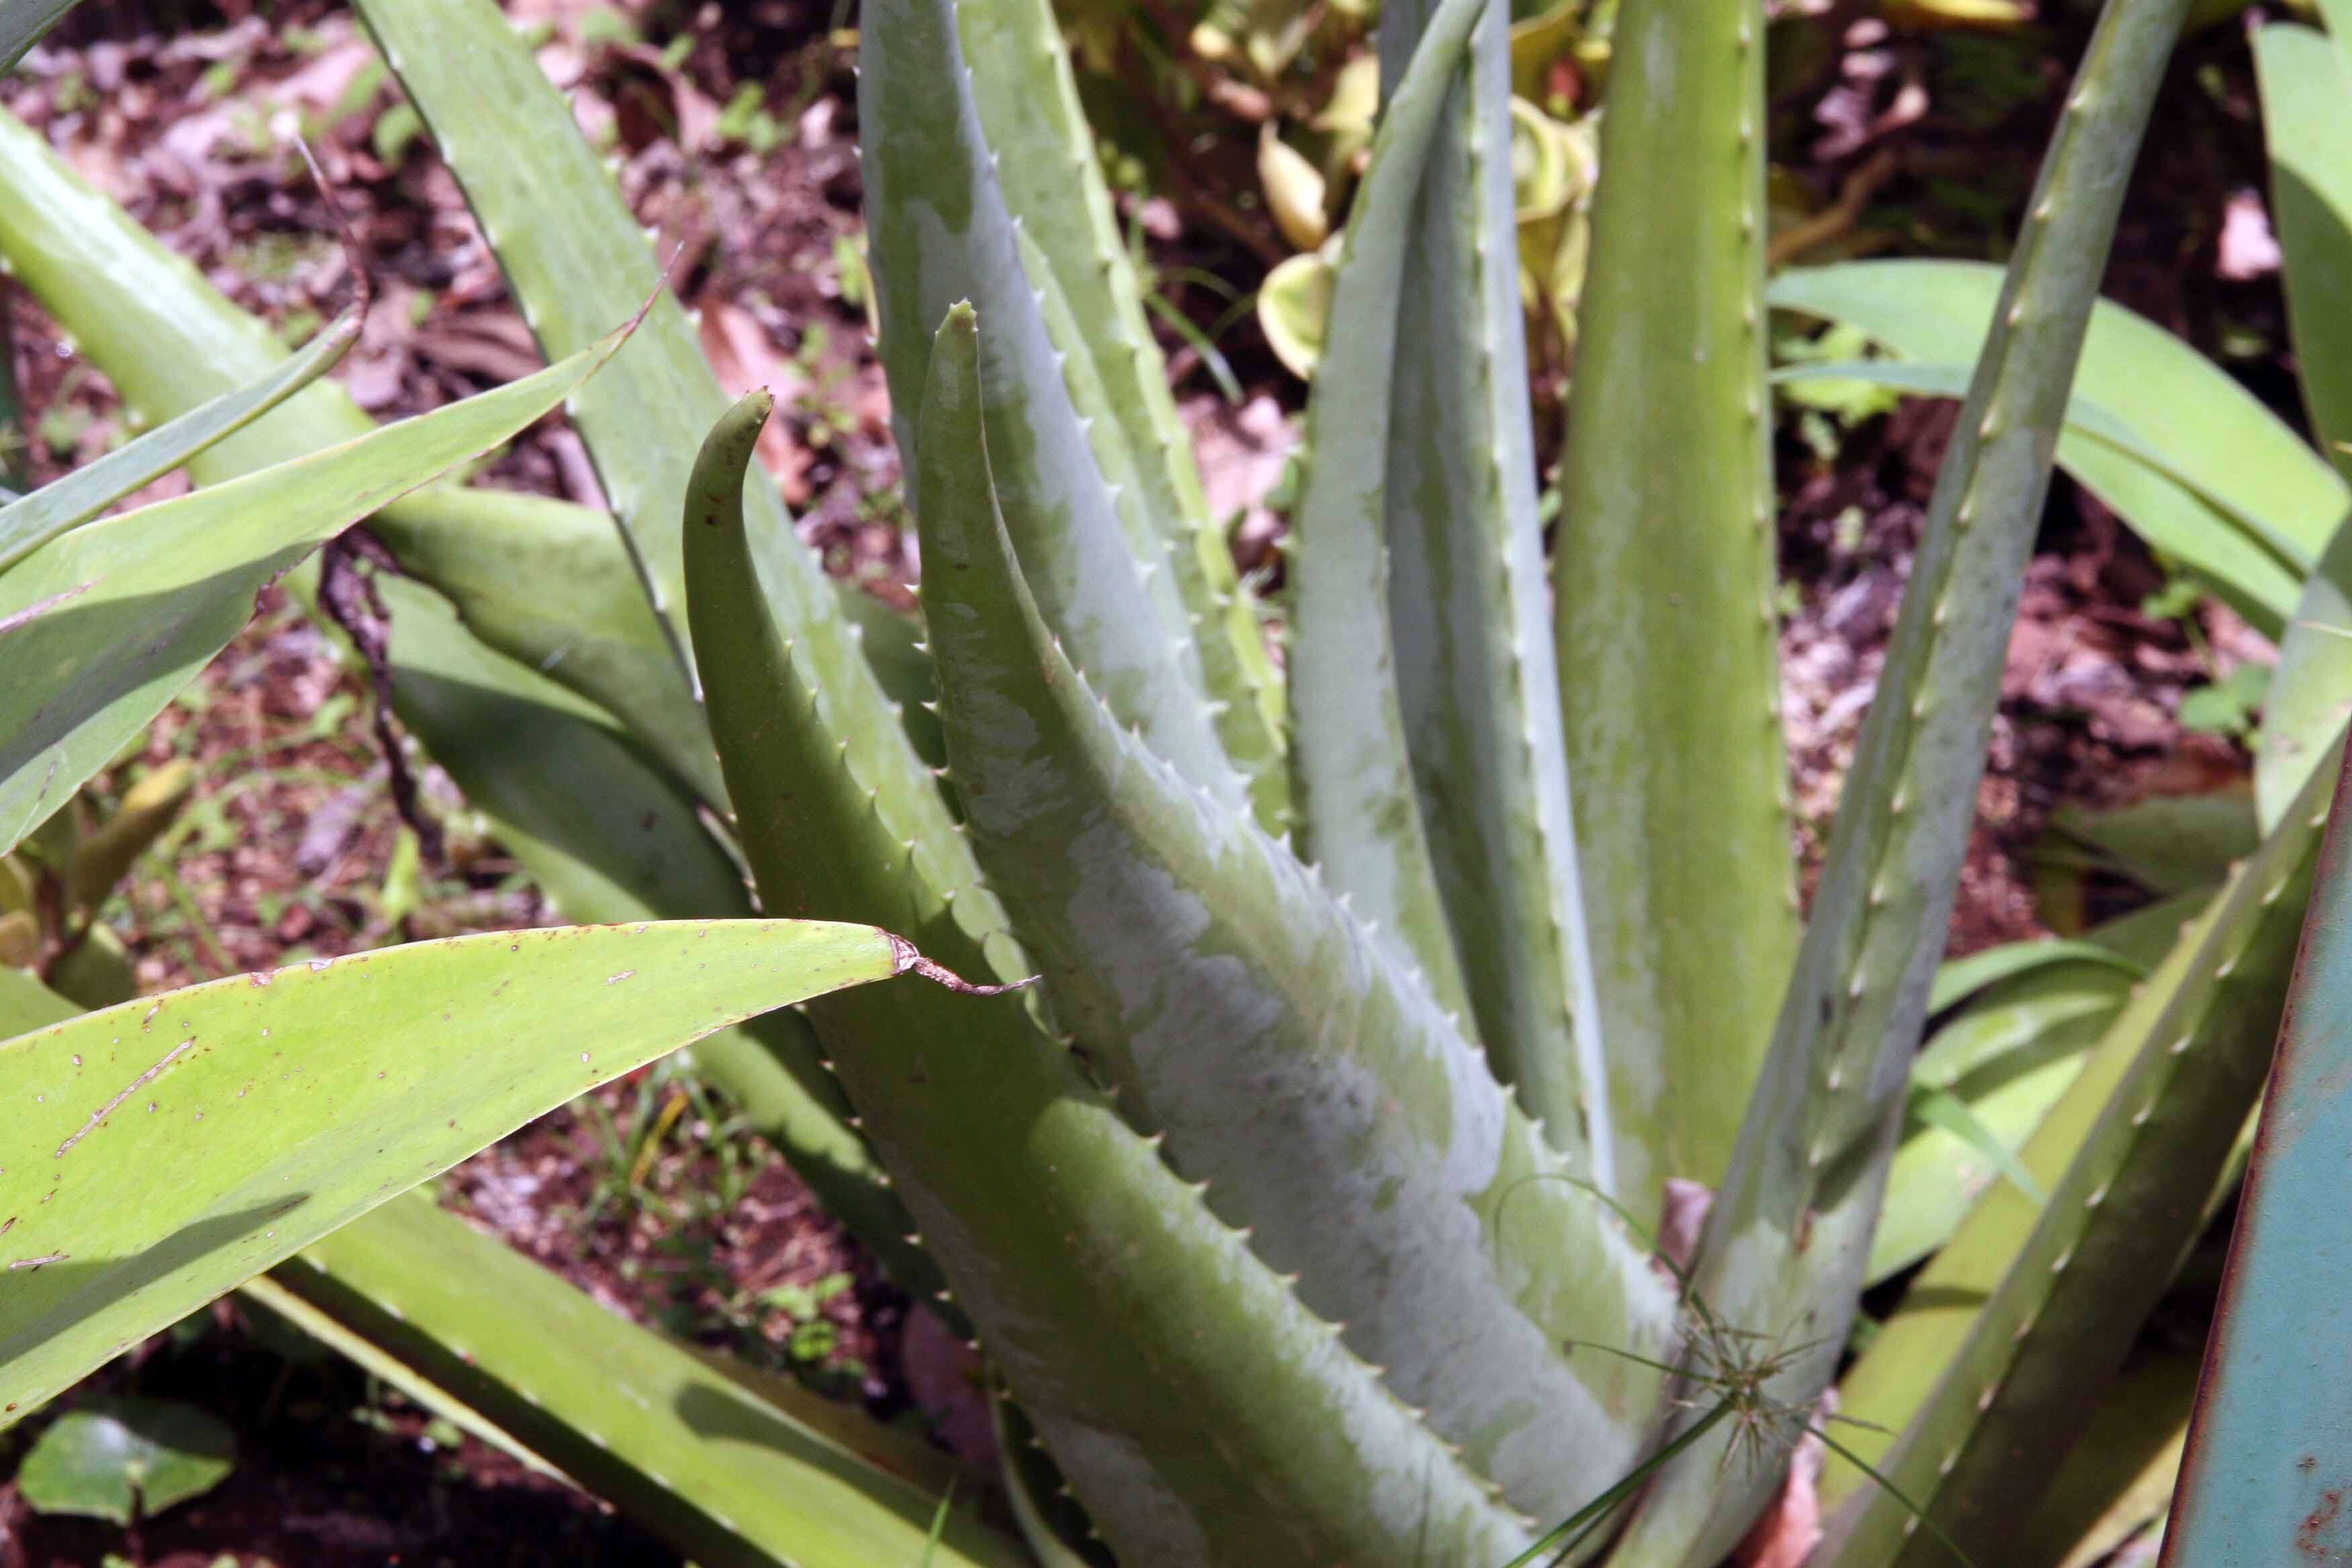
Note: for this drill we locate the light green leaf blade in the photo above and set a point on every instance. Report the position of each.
(1471, 613)
(28, 524)
(122, 1458)
(1787, 1236)
(1351, 775)
(2252, 506)
(2307, 91)
(102, 626)
(1116, 1305)
(724, 1476)
(1978, 1389)
(1052, 180)
(158, 1152)
(941, 231)
(1663, 577)
(609, 834)
(1248, 1019)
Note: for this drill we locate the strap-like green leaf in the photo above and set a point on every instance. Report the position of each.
(1662, 579)
(2238, 497)
(724, 1476)
(610, 835)
(1200, 1412)
(28, 524)
(103, 626)
(1287, 1061)
(158, 1152)
(1053, 185)
(1974, 1393)
(1471, 613)
(22, 23)
(940, 231)
(1352, 782)
(1787, 1236)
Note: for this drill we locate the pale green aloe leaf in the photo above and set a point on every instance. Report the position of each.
(604, 829)
(160, 1151)
(724, 1476)
(1052, 187)
(1959, 978)
(1787, 1236)
(1983, 1383)
(1126, 1319)
(541, 582)
(103, 626)
(2009, 1057)
(941, 231)
(2306, 92)
(1202, 971)
(2306, 89)
(1351, 774)
(1664, 578)
(1471, 613)
(2240, 498)
(28, 524)
(22, 23)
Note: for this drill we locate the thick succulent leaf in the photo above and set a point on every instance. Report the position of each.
(160, 1151)
(1052, 182)
(2240, 499)
(103, 626)
(1985, 1379)
(1471, 613)
(941, 231)
(2117, 1484)
(607, 833)
(2306, 89)
(32, 522)
(545, 584)
(1662, 585)
(723, 1477)
(2265, 1458)
(2307, 85)
(1199, 1411)
(1787, 1236)
(1246, 1018)
(1351, 777)
(2008, 1056)
(22, 23)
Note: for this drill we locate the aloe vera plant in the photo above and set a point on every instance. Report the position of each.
(1302, 1211)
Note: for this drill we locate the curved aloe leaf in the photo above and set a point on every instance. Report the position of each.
(1101, 1282)
(22, 23)
(2265, 1458)
(1202, 971)
(28, 524)
(724, 1476)
(2307, 88)
(2239, 497)
(941, 231)
(1663, 575)
(102, 626)
(1351, 776)
(1047, 167)
(162, 1150)
(2118, 1482)
(1787, 1236)
(2025, 1311)
(607, 832)
(1471, 615)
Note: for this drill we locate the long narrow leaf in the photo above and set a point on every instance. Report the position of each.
(1787, 1236)
(1204, 973)
(160, 1151)
(1471, 615)
(1352, 782)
